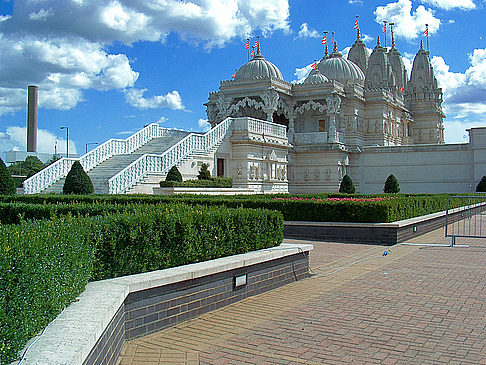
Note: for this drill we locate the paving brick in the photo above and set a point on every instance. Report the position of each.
(418, 304)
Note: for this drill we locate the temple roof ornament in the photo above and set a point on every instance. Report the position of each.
(379, 73)
(258, 68)
(315, 77)
(422, 71)
(337, 68)
(359, 53)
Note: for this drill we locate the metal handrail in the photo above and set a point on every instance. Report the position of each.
(472, 210)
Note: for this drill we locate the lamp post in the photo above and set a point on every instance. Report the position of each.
(90, 143)
(67, 140)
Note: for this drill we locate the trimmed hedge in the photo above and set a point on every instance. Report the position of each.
(7, 184)
(301, 208)
(214, 182)
(77, 181)
(45, 264)
(174, 175)
(161, 236)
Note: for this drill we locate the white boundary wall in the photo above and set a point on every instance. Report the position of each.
(447, 168)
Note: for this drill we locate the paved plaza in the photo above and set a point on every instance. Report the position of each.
(416, 305)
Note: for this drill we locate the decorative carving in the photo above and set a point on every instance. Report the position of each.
(270, 100)
(239, 173)
(333, 104)
(317, 175)
(310, 105)
(328, 174)
(306, 175)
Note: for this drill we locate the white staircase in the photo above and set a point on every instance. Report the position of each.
(118, 166)
(100, 174)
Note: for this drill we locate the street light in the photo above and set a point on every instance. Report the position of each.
(90, 143)
(67, 140)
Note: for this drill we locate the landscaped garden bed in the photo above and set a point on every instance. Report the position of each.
(382, 208)
(45, 263)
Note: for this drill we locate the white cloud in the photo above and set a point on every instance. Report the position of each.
(204, 125)
(305, 32)
(162, 119)
(301, 73)
(15, 139)
(408, 24)
(360, 2)
(42, 14)
(464, 95)
(61, 68)
(171, 100)
(61, 45)
(451, 4)
(455, 130)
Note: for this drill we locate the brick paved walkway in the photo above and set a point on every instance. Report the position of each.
(417, 305)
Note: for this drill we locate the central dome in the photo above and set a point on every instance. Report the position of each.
(337, 68)
(258, 68)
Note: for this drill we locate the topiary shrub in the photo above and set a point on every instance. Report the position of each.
(481, 188)
(347, 185)
(174, 174)
(204, 173)
(77, 181)
(7, 183)
(391, 185)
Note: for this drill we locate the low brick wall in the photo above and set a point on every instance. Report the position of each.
(371, 233)
(93, 329)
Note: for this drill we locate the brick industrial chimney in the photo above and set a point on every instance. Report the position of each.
(32, 119)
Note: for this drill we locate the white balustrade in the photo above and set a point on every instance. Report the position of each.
(60, 168)
(148, 163)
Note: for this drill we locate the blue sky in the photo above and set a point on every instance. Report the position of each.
(107, 67)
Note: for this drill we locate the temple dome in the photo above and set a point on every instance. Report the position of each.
(258, 68)
(315, 77)
(336, 67)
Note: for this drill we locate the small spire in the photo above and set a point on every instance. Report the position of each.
(359, 35)
(378, 41)
(421, 44)
(392, 34)
(258, 46)
(335, 46)
(326, 53)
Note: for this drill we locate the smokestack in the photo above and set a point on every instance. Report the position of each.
(32, 119)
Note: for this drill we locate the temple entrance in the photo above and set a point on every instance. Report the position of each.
(220, 167)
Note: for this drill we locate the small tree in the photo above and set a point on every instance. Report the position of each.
(204, 173)
(347, 185)
(7, 184)
(391, 185)
(77, 181)
(174, 174)
(481, 188)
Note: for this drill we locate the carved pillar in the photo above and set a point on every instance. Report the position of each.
(333, 105)
(270, 101)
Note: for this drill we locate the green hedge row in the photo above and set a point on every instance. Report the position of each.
(214, 182)
(45, 264)
(305, 208)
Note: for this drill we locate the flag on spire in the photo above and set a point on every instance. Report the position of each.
(247, 44)
(324, 39)
(257, 42)
(252, 53)
(314, 66)
(426, 31)
(356, 24)
(384, 27)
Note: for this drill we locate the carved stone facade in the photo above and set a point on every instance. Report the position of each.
(342, 106)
